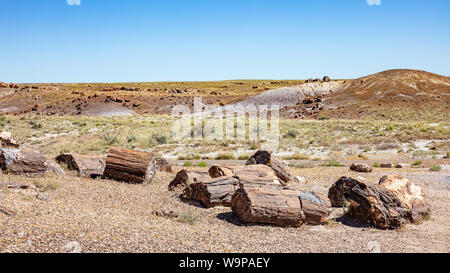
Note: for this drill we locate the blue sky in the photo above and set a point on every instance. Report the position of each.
(190, 40)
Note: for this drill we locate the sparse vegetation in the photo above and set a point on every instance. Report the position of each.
(435, 168)
(188, 217)
(187, 164)
(202, 164)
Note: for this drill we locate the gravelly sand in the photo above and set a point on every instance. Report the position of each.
(108, 216)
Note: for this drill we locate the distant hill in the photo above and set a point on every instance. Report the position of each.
(393, 85)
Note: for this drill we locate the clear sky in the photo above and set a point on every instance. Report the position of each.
(191, 40)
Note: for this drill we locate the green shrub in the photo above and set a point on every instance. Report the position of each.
(160, 139)
(202, 164)
(187, 164)
(331, 163)
(322, 117)
(435, 168)
(417, 163)
(187, 217)
(376, 165)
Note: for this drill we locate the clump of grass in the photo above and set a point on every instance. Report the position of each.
(417, 163)
(224, 156)
(435, 168)
(244, 157)
(376, 165)
(46, 185)
(331, 163)
(363, 156)
(297, 156)
(291, 134)
(187, 164)
(110, 139)
(187, 217)
(447, 155)
(202, 164)
(189, 157)
(160, 138)
(323, 117)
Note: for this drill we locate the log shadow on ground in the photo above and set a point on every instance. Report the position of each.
(347, 221)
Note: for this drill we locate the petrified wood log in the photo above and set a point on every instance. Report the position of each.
(85, 166)
(22, 162)
(183, 177)
(129, 166)
(391, 204)
(279, 206)
(162, 165)
(266, 158)
(13, 185)
(218, 191)
(268, 206)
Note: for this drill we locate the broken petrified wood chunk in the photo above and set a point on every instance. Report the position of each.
(22, 162)
(130, 166)
(266, 158)
(362, 168)
(389, 205)
(85, 166)
(315, 207)
(162, 165)
(254, 170)
(7, 141)
(13, 185)
(183, 177)
(217, 192)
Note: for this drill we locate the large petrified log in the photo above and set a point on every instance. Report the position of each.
(278, 206)
(268, 206)
(391, 204)
(22, 162)
(85, 166)
(183, 177)
(129, 166)
(266, 158)
(219, 190)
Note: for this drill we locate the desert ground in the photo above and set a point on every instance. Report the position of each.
(400, 117)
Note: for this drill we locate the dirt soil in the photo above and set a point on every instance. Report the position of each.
(107, 216)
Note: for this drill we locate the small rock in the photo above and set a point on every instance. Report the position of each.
(300, 179)
(387, 165)
(73, 247)
(43, 197)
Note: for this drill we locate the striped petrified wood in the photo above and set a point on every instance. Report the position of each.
(130, 166)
